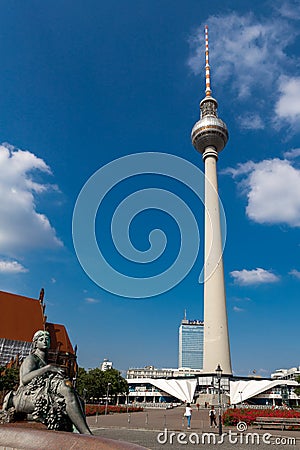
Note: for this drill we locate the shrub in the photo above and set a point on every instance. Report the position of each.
(91, 410)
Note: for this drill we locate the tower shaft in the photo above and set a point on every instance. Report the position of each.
(216, 340)
(209, 137)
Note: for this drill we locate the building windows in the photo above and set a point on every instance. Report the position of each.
(10, 349)
(191, 344)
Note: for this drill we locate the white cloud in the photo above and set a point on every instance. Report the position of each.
(245, 50)
(289, 9)
(251, 121)
(261, 371)
(271, 200)
(241, 169)
(237, 309)
(21, 225)
(249, 55)
(241, 299)
(287, 108)
(11, 267)
(293, 153)
(295, 273)
(255, 276)
(91, 300)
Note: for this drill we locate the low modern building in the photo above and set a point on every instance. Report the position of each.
(149, 372)
(286, 374)
(161, 391)
(204, 389)
(154, 372)
(264, 392)
(152, 385)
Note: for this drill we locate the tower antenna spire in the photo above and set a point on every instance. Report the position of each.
(207, 66)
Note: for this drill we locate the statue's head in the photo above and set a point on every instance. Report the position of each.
(41, 339)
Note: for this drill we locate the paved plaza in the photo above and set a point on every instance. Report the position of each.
(162, 429)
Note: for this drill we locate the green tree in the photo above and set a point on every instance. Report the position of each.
(80, 380)
(94, 383)
(9, 378)
(118, 384)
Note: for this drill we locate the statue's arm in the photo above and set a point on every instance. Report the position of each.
(29, 370)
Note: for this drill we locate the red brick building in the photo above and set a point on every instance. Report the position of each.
(20, 318)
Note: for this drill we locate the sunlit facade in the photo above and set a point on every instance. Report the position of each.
(191, 334)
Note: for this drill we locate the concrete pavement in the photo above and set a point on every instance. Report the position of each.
(167, 429)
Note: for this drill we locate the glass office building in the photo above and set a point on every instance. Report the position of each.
(191, 344)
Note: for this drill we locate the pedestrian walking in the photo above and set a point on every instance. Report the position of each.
(188, 415)
(212, 417)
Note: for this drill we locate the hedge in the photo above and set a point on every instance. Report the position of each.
(91, 410)
(233, 416)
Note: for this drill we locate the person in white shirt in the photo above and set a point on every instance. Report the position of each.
(188, 415)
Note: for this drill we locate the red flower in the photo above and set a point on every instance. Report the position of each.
(233, 416)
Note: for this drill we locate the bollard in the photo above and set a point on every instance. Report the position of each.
(96, 419)
(147, 419)
(128, 420)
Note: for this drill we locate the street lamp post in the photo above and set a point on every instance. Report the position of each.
(106, 404)
(219, 376)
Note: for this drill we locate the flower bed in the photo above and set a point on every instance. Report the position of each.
(249, 415)
(91, 410)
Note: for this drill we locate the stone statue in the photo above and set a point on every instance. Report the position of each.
(45, 392)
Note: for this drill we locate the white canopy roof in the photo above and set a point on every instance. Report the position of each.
(182, 389)
(243, 390)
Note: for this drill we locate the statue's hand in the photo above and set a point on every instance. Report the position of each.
(55, 369)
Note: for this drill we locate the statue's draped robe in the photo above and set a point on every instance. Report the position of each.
(41, 397)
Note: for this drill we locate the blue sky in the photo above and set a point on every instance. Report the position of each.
(86, 83)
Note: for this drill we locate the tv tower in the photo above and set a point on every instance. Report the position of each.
(209, 136)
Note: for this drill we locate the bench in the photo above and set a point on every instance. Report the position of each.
(277, 421)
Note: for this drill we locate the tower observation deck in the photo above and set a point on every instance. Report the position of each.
(209, 136)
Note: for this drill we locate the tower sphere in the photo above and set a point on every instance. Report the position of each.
(209, 131)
